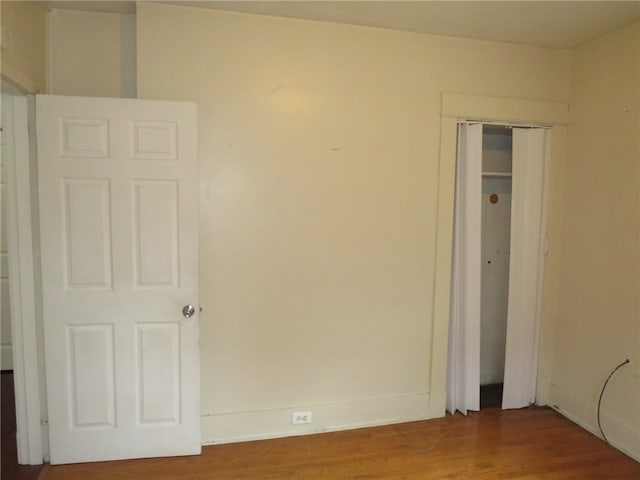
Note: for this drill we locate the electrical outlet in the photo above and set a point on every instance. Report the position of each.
(298, 418)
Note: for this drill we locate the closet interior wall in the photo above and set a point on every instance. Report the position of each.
(496, 227)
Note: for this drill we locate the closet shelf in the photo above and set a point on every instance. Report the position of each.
(497, 174)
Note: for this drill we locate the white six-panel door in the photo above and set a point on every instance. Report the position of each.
(119, 245)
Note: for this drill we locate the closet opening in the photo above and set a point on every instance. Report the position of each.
(495, 253)
(498, 258)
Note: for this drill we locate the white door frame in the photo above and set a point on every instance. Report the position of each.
(456, 107)
(25, 338)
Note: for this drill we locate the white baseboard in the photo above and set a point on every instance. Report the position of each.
(266, 424)
(583, 412)
(6, 357)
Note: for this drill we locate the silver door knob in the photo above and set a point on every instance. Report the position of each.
(188, 311)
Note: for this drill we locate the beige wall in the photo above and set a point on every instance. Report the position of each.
(598, 323)
(92, 54)
(319, 148)
(23, 44)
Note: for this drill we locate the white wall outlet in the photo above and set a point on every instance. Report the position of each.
(298, 418)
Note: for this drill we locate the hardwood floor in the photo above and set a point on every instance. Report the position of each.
(10, 468)
(528, 444)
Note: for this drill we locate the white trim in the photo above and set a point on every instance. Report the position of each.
(491, 110)
(21, 278)
(442, 271)
(551, 250)
(580, 410)
(230, 427)
(11, 87)
(505, 110)
(544, 245)
(48, 52)
(504, 124)
(16, 77)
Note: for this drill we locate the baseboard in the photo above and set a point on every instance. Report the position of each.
(437, 404)
(266, 424)
(584, 413)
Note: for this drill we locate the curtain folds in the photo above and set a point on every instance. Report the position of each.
(521, 357)
(530, 148)
(463, 379)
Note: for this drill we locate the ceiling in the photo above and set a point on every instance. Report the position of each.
(556, 24)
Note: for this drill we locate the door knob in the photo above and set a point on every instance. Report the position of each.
(188, 311)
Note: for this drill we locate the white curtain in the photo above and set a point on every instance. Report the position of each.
(525, 273)
(463, 378)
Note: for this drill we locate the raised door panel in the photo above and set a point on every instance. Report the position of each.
(91, 376)
(154, 140)
(84, 137)
(87, 233)
(158, 373)
(155, 213)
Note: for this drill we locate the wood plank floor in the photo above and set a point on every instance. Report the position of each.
(529, 444)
